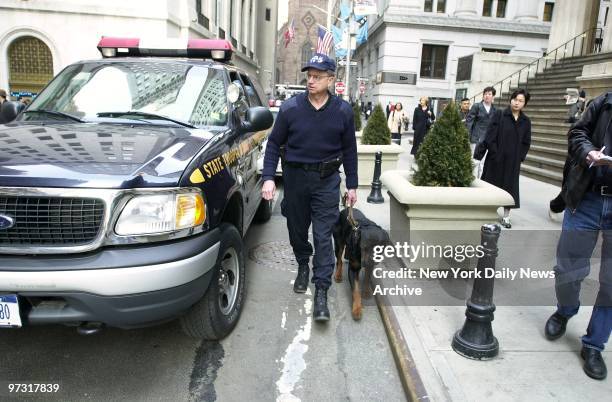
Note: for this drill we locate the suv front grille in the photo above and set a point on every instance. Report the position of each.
(51, 221)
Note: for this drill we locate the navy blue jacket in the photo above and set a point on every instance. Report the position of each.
(313, 136)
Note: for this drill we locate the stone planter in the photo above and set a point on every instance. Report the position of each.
(366, 155)
(358, 135)
(596, 79)
(440, 215)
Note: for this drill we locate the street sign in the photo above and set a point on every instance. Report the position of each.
(362, 88)
(393, 77)
(342, 63)
(340, 87)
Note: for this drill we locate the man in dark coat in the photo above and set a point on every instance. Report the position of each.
(479, 116)
(508, 140)
(587, 189)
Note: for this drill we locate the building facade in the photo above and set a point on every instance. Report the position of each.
(414, 46)
(38, 38)
(306, 16)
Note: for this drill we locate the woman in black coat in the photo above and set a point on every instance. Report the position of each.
(508, 140)
(421, 121)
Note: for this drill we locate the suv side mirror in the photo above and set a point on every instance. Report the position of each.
(9, 111)
(257, 118)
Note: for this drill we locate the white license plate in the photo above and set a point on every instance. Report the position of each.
(9, 311)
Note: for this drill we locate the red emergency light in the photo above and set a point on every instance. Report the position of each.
(216, 49)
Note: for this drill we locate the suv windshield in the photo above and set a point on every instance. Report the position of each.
(158, 92)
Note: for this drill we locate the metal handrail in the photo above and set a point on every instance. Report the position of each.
(596, 49)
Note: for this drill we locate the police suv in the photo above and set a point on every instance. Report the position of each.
(126, 188)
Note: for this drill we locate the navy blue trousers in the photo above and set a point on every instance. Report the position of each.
(311, 199)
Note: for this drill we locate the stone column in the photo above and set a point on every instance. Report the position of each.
(527, 11)
(466, 8)
(570, 21)
(607, 39)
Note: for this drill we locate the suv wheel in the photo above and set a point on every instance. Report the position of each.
(217, 313)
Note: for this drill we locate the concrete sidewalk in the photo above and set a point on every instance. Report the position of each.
(528, 367)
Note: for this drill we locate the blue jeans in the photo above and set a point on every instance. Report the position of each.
(580, 232)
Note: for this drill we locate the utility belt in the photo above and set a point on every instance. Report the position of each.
(325, 169)
(602, 189)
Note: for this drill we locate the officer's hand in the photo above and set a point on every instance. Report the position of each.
(268, 190)
(352, 197)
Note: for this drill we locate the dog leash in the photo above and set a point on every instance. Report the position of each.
(350, 217)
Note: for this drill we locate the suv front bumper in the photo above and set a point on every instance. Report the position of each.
(122, 287)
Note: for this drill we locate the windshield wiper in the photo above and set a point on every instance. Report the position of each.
(146, 115)
(55, 113)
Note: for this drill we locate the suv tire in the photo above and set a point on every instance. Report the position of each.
(217, 313)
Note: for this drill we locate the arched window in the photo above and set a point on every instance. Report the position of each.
(306, 51)
(30, 65)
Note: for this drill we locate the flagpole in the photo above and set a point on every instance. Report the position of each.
(348, 54)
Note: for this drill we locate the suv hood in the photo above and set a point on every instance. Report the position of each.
(96, 155)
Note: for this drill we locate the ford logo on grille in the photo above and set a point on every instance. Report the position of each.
(6, 222)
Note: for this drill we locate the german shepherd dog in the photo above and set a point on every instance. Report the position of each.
(355, 236)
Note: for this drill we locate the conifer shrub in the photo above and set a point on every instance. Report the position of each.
(376, 131)
(357, 117)
(444, 158)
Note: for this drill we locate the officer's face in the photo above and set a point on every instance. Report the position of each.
(465, 106)
(318, 81)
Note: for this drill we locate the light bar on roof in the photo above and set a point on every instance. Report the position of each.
(215, 49)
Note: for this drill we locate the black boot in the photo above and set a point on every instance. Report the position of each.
(555, 326)
(301, 280)
(594, 365)
(321, 312)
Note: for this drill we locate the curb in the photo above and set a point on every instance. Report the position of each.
(414, 388)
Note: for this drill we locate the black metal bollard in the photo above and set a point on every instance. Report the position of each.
(476, 340)
(375, 196)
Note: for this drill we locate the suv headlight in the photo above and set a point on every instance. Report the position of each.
(160, 213)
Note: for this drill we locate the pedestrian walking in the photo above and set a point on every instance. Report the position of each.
(480, 114)
(319, 132)
(464, 110)
(507, 141)
(397, 119)
(577, 107)
(586, 190)
(422, 119)
(389, 109)
(3, 98)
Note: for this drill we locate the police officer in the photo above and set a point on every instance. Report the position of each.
(318, 132)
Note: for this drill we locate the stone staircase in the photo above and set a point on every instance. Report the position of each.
(548, 111)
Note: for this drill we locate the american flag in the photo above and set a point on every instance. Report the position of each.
(324, 41)
(289, 33)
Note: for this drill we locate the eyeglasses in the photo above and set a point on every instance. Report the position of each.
(317, 77)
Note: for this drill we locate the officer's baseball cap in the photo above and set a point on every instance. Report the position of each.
(320, 62)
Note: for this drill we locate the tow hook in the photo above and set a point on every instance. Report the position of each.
(89, 328)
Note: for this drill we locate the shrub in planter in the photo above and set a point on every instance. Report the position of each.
(357, 117)
(444, 158)
(376, 131)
